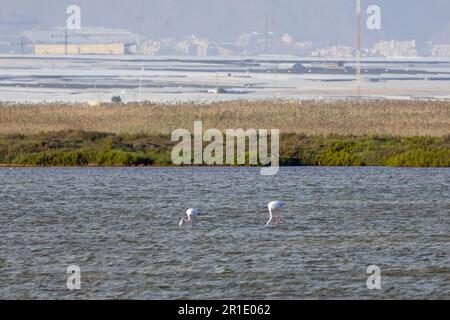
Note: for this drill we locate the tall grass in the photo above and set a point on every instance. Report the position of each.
(397, 118)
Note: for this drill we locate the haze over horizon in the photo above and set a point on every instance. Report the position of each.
(225, 20)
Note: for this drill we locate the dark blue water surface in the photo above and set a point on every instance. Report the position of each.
(120, 226)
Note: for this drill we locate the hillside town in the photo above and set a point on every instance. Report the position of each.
(95, 40)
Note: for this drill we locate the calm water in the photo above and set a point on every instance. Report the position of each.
(120, 227)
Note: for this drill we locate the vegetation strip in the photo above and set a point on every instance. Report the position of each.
(81, 148)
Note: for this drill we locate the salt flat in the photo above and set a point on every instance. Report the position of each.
(172, 79)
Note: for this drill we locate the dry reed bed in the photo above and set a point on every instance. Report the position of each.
(400, 118)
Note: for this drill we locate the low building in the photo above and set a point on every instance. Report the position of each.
(395, 49)
(441, 51)
(188, 46)
(339, 51)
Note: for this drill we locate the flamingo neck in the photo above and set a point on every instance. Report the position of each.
(183, 221)
(270, 217)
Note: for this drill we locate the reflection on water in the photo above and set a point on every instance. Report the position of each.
(120, 227)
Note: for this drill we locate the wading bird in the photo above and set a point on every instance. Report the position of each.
(275, 207)
(191, 214)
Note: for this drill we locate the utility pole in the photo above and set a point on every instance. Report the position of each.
(65, 41)
(22, 45)
(140, 82)
(266, 35)
(358, 46)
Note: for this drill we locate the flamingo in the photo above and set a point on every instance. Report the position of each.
(275, 206)
(191, 214)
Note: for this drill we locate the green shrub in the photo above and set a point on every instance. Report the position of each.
(73, 158)
(341, 158)
(123, 158)
(421, 158)
(84, 158)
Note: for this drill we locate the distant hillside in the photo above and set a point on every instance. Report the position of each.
(224, 20)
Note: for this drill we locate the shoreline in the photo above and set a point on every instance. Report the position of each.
(6, 166)
(378, 133)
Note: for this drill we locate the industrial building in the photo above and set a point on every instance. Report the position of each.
(76, 49)
(87, 41)
(13, 45)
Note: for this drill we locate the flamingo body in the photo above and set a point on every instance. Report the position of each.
(275, 207)
(191, 214)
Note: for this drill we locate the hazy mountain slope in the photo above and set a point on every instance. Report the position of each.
(225, 20)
